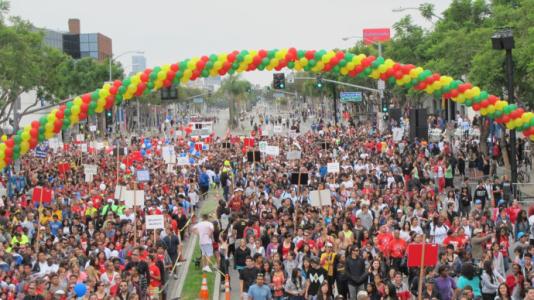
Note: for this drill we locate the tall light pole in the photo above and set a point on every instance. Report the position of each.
(504, 40)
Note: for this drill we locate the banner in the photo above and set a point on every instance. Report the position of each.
(45, 196)
(153, 222)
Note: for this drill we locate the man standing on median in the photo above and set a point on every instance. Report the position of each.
(205, 234)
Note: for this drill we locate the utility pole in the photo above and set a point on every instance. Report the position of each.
(334, 94)
(510, 86)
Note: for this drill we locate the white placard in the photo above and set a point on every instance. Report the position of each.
(170, 168)
(320, 199)
(99, 146)
(132, 198)
(83, 147)
(272, 150)
(54, 144)
(90, 169)
(143, 175)
(398, 134)
(80, 137)
(119, 192)
(154, 222)
(183, 161)
(169, 156)
(277, 129)
(92, 128)
(88, 177)
(178, 133)
(332, 167)
(293, 155)
(262, 146)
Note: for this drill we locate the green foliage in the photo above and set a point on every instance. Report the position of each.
(237, 93)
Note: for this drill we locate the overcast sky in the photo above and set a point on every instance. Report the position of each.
(171, 30)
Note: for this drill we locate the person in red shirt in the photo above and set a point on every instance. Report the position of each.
(384, 238)
(396, 249)
(155, 277)
(236, 202)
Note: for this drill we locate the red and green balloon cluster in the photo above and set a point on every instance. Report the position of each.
(322, 61)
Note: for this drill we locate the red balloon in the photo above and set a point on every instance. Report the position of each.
(492, 99)
(429, 80)
(520, 112)
(204, 58)
(35, 124)
(34, 132)
(201, 64)
(358, 69)
(10, 142)
(147, 71)
(340, 55)
(505, 118)
(230, 57)
(175, 67)
(455, 93)
(144, 77)
(109, 103)
(399, 74)
(113, 90)
(8, 152)
(8, 159)
(310, 54)
(484, 103)
(257, 59)
(84, 107)
(86, 98)
(60, 114)
(334, 60)
(476, 106)
(117, 83)
(420, 86)
(33, 142)
(82, 115)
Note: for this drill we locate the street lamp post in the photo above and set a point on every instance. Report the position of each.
(401, 9)
(504, 40)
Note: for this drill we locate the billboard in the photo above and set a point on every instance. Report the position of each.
(376, 35)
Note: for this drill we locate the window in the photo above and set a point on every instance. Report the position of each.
(94, 54)
(84, 47)
(92, 38)
(93, 47)
(84, 38)
(85, 54)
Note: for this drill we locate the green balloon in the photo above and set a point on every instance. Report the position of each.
(118, 97)
(16, 155)
(183, 65)
(291, 65)
(213, 57)
(244, 52)
(491, 115)
(118, 101)
(67, 112)
(16, 149)
(153, 76)
(265, 61)
(336, 69)
(41, 130)
(447, 89)
(409, 85)
(307, 68)
(122, 90)
(127, 81)
(231, 71)
(375, 64)
(17, 138)
(41, 137)
(179, 75)
(90, 111)
(66, 122)
(95, 94)
(476, 99)
(92, 105)
(380, 60)
(156, 70)
(43, 121)
(531, 122)
(342, 63)
(468, 102)
(205, 73)
(391, 80)
(367, 72)
(484, 95)
(271, 53)
(69, 104)
(209, 65)
(312, 63)
(301, 53)
(150, 86)
(508, 109)
(498, 113)
(261, 67)
(349, 56)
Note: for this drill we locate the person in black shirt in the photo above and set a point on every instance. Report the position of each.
(481, 193)
(171, 243)
(314, 278)
(247, 276)
(497, 190)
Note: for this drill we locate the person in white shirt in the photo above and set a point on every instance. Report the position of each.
(205, 230)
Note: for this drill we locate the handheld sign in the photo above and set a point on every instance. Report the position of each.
(183, 161)
(262, 146)
(90, 169)
(303, 178)
(272, 150)
(134, 198)
(320, 198)
(253, 156)
(154, 222)
(415, 251)
(143, 175)
(293, 155)
(332, 167)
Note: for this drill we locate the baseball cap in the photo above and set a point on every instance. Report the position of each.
(520, 234)
(478, 201)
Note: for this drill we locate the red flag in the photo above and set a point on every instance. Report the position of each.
(415, 251)
(249, 142)
(66, 147)
(198, 146)
(63, 167)
(41, 194)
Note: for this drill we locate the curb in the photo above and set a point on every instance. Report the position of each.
(217, 287)
(185, 266)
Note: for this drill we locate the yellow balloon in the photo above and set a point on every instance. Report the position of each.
(78, 101)
(48, 135)
(298, 66)
(344, 71)
(320, 65)
(106, 86)
(304, 61)
(74, 119)
(490, 109)
(99, 109)
(483, 111)
(24, 147)
(2, 147)
(461, 98)
(531, 138)
(4, 137)
(475, 91)
(2, 164)
(166, 67)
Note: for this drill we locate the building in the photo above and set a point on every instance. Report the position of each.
(138, 64)
(78, 45)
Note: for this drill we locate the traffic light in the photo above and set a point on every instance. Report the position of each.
(319, 83)
(109, 120)
(279, 81)
(385, 104)
(169, 93)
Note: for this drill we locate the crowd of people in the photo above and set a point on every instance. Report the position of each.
(79, 237)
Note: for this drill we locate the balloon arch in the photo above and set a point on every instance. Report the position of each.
(322, 61)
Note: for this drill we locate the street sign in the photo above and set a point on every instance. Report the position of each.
(278, 95)
(376, 35)
(350, 96)
(381, 84)
(198, 100)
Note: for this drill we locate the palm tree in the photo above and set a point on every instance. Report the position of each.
(427, 11)
(236, 91)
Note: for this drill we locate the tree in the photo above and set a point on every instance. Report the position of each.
(236, 91)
